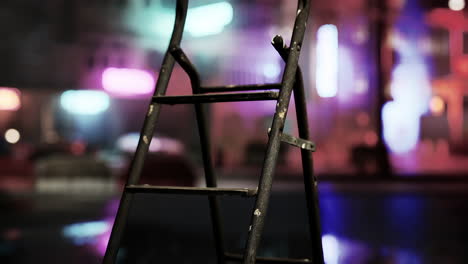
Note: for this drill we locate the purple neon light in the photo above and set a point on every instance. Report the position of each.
(127, 82)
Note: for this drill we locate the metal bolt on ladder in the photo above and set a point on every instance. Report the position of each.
(281, 92)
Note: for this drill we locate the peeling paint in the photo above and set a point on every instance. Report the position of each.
(257, 212)
(281, 114)
(303, 145)
(150, 111)
(145, 139)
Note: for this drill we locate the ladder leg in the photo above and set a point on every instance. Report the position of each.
(113, 246)
(263, 196)
(310, 181)
(266, 178)
(204, 134)
(134, 176)
(145, 137)
(210, 182)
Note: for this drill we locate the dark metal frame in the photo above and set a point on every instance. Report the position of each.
(292, 80)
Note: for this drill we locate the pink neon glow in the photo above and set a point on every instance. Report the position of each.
(103, 239)
(111, 212)
(127, 82)
(9, 99)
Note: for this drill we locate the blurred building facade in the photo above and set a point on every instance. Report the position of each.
(53, 46)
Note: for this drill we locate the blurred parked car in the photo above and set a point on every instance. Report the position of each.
(75, 174)
(167, 163)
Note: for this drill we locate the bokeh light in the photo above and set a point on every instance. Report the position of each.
(9, 99)
(327, 61)
(362, 119)
(204, 20)
(271, 70)
(437, 105)
(209, 19)
(12, 136)
(370, 138)
(127, 82)
(129, 143)
(401, 126)
(84, 102)
(456, 5)
(331, 249)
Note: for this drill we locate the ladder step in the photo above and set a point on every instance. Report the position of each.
(238, 257)
(216, 98)
(210, 191)
(239, 88)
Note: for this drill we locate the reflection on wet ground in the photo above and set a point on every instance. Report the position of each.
(360, 225)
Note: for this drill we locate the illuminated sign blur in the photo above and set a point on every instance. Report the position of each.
(9, 99)
(209, 19)
(84, 102)
(410, 82)
(202, 21)
(327, 61)
(127, 82)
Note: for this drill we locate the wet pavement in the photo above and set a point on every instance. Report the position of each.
(362, 223)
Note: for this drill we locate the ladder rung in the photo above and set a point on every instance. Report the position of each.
(216, 98)
(191, 190)
(239, 88)
(238, 257)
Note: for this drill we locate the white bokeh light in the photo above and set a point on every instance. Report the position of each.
(12, 136)
(327, 61)
(84, 102)
(331, 249)
(271, 70)
(456, 5)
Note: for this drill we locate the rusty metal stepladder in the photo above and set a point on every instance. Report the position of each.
(292, 80)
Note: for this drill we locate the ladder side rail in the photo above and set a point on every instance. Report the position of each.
(310, 181)
(205, 143)
(303, 4)
(266, 178)
(145, 136)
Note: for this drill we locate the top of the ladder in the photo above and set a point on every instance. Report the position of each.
(181, 14)
(176, 53)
